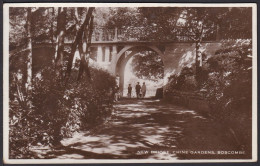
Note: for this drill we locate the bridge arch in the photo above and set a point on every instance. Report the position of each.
(122, 59)
(133, 48)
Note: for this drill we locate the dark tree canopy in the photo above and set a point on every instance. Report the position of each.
(159, 23)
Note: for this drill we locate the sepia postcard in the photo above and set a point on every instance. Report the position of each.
(129, 83)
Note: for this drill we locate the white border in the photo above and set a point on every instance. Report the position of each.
(129, 5)
(73, 161)
(254, 84)
(5, 84)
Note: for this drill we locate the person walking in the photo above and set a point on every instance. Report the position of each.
(129, 94)
(143, 90)
(137, 90)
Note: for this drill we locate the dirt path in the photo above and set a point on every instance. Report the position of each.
(150, 129)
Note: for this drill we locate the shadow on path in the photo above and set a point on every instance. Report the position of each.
(149, 129)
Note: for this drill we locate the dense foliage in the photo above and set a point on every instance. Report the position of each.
(226, 81)
(46, 106)
(230, 67)
(192, 23)
(185, 81)
(56, 110)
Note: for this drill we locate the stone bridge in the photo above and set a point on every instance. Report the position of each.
(112, 48)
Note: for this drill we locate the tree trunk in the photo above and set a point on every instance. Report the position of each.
(82, 62)
(29, 48)
(52, 35)
(85, 50)
(198, 57)
(77, 40)
(61, 23)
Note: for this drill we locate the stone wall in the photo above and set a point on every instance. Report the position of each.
(191, 100)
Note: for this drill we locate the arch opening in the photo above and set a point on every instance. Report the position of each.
(126, 75)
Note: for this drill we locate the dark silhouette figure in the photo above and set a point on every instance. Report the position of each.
(129, 94)
(137, 89)
(143, 90)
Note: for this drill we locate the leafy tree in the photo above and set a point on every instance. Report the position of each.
(148, 65)
(123, 17)
(55, 107)
(198, 24)
(83, 31)
(61, 28)
(236, 23)
(159, 23)
(17, 34)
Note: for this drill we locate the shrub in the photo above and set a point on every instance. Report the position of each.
(56, 110)
(227, 80)
(183, 82)
(229, 87)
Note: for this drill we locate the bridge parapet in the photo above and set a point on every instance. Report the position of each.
(176, 34)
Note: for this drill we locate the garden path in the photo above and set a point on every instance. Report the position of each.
(149, 129)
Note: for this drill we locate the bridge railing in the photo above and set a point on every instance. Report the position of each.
(177, 34)
(157, 33)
